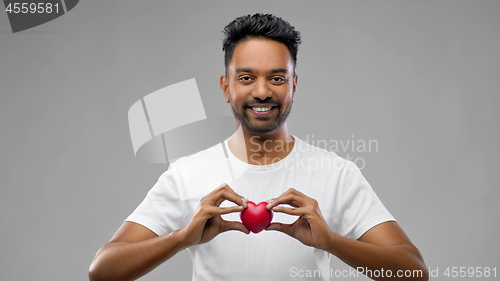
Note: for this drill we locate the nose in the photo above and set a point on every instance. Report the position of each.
(261, 90)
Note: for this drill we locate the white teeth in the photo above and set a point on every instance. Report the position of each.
(261, 109)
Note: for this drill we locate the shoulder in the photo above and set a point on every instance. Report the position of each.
(199, 173)
(200, 159)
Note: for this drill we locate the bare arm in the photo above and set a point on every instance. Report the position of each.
(135, 250)
(385, 246)
(132, 252)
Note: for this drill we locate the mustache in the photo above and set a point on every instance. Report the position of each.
(259, 102)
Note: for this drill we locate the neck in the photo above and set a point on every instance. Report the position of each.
(261, 149)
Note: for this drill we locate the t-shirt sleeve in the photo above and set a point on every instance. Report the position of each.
(162, 211)
(361, 209)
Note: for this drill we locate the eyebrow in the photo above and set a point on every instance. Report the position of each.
(249, 70)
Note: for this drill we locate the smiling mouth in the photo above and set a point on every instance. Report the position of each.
(262, 110)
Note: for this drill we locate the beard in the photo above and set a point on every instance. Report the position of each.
(257, 126)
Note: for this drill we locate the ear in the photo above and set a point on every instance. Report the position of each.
(224, 87)
(295, 79)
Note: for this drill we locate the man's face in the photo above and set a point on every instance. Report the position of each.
(260, 85)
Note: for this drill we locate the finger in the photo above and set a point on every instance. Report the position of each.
(234, 225)
(290, 211)
(285, 228)
(222, 199)
(296, 192)
(274, 199)
(227, 210)
(290, 199)
(270, 201)
(232, 196)
(289, 191)
(224, 192)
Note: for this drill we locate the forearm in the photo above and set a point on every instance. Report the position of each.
(374, 257)
(130, 261)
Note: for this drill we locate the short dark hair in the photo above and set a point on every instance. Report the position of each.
(260, 26)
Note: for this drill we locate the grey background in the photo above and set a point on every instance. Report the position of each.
(420, 77)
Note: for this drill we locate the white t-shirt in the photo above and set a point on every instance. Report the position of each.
(348, 204)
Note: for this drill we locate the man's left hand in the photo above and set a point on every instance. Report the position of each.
(310, 228)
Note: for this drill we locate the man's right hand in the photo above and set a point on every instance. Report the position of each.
(207, 222)
(135, 250)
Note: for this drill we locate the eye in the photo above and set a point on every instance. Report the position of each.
(278, 80)
(245, 79)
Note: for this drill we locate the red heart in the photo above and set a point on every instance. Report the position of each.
(256, 217)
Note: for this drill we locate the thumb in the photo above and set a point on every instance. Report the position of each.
(285, 228)
(234, 225)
